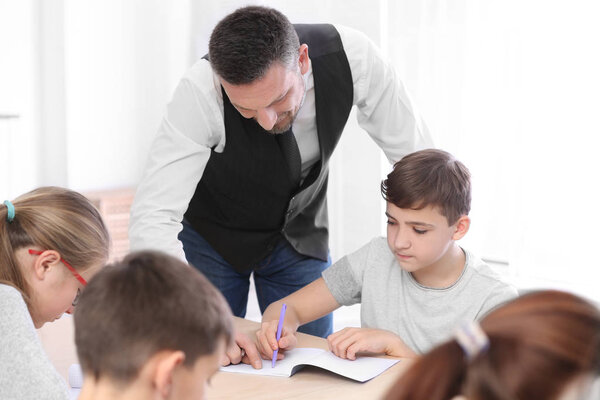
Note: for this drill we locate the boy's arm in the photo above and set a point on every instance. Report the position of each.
(305, 305)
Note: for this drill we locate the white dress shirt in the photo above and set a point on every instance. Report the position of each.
(194, 124)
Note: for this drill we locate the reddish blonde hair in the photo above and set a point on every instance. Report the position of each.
(539, 343)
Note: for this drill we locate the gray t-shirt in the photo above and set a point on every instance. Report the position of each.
(25, 370)
(393, 300)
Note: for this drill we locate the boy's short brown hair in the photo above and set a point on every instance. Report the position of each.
(147, 303)
(430, 177)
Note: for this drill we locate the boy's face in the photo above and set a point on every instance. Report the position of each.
(419, 239)
(190, 383)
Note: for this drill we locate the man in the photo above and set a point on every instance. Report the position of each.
(241, 159)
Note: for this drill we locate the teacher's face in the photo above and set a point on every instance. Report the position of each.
(275, 99)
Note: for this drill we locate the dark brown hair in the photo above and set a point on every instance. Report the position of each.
(146, 303)
(539, 343)
(52, 218)
(247, 42)
(430, 177)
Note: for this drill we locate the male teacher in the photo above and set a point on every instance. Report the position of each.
(236, 179)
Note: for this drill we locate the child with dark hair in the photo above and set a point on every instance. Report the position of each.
(150, 326)
(543, 346)
(415, 286)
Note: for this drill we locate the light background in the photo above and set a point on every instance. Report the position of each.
(510, 87)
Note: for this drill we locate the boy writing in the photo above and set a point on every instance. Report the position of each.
(150, 327)
(415, 288)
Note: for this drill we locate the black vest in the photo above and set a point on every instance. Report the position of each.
(245, 200)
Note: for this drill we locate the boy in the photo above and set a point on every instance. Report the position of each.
(150, 327)
(416, 288)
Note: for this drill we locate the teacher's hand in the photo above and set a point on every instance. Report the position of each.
(242, 350)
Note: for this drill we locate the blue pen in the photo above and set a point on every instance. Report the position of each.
(281, 316)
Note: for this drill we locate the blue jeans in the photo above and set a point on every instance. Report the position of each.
(279, 274)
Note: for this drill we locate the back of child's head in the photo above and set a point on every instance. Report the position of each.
(538, 345)
(430, 177)
(52, 218)
(147, 303)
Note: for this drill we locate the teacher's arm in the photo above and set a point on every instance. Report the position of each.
(385, 109)
(192, 125)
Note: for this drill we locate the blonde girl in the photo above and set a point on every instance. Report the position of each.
(52, 241)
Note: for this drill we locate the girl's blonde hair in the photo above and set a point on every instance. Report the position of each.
(52, 218)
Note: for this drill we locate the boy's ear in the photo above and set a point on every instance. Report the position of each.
(43, 263)
(166, 364)
(462, 227)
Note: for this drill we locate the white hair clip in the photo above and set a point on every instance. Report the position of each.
(471, 338)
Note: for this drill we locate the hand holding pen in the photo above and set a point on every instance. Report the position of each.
(271, 340)
(279, 326)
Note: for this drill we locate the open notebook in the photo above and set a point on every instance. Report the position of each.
(362, 369)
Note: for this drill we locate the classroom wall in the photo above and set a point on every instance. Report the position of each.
(122, 60)
(90, 80)
(18, 96)
(500, 86)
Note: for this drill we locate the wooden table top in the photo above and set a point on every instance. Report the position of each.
(308, 383)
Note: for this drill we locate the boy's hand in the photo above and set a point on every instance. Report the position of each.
(266, 340)
(349, 341)
(242, 350)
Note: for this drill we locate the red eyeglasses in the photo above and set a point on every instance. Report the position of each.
(73, 271)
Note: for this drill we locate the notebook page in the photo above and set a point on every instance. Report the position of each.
(75, 380)
(362, 369)
(285, 367)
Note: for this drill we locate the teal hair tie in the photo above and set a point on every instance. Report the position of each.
(11, 211)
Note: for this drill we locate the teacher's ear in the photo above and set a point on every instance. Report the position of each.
(303, 59)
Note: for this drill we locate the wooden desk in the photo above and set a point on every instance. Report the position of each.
(308, 383)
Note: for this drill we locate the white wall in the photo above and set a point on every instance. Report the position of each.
(122, 59)
(18, 96)
(509, 87)
(90, 80)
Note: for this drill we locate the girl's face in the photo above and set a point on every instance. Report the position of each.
(54, 289)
